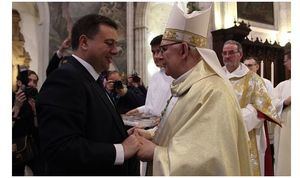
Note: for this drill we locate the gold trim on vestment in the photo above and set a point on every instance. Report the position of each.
(254, 157)
(189, 37)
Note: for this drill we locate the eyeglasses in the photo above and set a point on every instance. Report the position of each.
(164, 48)
(229, 53)
(111, 43)
(250, 65)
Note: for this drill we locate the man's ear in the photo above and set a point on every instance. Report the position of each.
(83, 42)
(257, 66)
(184, 50)
(241, 54)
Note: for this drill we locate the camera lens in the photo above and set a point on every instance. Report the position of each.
(118, 84)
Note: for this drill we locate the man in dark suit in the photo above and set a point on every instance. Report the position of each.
(81, 133)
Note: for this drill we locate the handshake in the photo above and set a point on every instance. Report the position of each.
(138, 143)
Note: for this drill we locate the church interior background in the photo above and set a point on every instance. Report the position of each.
(40, 27)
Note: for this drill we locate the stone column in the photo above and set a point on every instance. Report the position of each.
(130, 37)
(140, 32)
(43, 40)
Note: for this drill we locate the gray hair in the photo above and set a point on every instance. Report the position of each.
(240, 48)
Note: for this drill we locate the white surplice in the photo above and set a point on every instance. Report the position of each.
(158, 94)
(282, 136)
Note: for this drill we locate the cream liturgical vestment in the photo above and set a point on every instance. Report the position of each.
(204, 133)
(282, 136)
(253, 98)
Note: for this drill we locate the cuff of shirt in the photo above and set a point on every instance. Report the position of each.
(119, 154)
(141, 109)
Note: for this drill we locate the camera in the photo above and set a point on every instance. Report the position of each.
(136, 78)
(29, 91)
(118, 85)
(23, 76)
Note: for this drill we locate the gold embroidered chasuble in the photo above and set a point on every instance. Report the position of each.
(204, 134)
(250, 89)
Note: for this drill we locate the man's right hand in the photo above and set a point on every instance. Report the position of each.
(18, 103)
(65, 45)
(130, 145)
(20, 98)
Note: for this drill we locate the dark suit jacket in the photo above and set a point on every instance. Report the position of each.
(78, 125)
(55, 62)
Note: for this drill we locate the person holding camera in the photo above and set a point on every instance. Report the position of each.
(124, 98)
(135, 81)
(24, 120)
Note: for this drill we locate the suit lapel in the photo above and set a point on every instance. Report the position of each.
(101, 95)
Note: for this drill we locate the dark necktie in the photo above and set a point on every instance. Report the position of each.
(100, 81)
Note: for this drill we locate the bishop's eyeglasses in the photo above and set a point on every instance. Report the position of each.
(164, 48)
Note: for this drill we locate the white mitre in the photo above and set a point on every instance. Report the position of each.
(192, 28)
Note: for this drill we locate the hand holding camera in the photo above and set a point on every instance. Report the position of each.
(20, 98)
(116, 87)
(29, 90)
(119, 88)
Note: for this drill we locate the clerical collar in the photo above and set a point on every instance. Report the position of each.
(88, 67)
(238, 72)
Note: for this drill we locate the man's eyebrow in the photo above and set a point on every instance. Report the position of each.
(110, 39)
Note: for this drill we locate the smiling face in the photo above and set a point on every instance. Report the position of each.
(156, 55)
(101, 48)
(231, 56)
